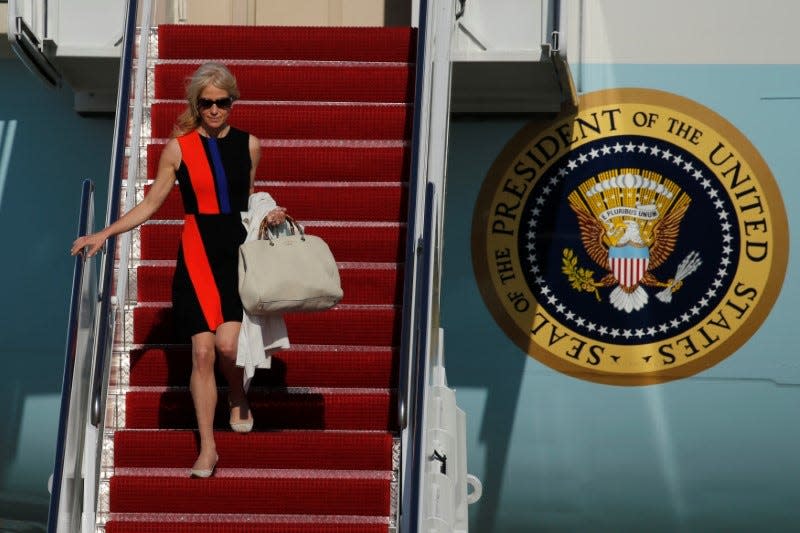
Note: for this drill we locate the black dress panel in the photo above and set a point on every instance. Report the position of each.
(214, 180)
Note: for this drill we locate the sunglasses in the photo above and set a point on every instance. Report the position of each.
(222, 103)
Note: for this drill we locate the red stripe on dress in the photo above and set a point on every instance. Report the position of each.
(200, 273)
(194, 155)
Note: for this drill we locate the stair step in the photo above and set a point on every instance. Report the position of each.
(351, 202)
(349, 326)
(372, 161)
(242, 524)
(188, 41)
(235, 495)
(314, 120)
(374, 243)
(362, 285)
(351, 367)
(351, 409)
(292, 81)
(335, 450)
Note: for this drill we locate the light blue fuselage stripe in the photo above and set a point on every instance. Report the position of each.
(221, 178)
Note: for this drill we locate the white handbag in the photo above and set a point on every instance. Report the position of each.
(292, 273)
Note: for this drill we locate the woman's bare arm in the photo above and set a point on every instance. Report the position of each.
(163, 184)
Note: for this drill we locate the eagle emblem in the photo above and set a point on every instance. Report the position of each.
(629, 224)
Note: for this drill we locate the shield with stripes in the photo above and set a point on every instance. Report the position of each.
(628, 264)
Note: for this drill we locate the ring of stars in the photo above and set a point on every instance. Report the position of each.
(651, 150)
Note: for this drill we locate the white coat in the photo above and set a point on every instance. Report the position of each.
(259, 336)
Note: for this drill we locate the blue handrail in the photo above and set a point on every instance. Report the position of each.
(113, 209)
(409, 349)
(412, 477)
(406, 343)
(84, 220)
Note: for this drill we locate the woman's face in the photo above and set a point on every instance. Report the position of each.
(214, 105)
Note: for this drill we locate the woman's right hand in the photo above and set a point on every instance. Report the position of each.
(94, 242)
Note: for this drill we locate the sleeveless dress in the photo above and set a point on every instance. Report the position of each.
(214, 180)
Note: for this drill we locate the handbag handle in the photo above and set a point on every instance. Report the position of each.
(265, 234)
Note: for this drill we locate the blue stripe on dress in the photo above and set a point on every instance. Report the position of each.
(221, 178)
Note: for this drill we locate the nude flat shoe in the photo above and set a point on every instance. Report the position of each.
(244, 426)
(203, 473)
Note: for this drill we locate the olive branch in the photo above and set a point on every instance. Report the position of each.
(581, 279)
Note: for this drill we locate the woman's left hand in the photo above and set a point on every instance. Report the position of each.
(277, 216)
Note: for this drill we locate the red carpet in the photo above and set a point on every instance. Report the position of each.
(241, 526)
(348, 82)
(333, 108)
(383, 202)
(309, 366)
(290, 120)
(367, 242)
(343, 161)
(286, 43)
(366, 284)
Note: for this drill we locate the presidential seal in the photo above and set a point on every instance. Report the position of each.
(637, 239)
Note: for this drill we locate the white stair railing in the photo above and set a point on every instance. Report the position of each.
(434, 481)
(78, 454)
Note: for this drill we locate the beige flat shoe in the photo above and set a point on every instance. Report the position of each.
(203, 473)
(242, 426)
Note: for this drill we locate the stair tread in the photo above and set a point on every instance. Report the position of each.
(369, 367)
(280, 42)
(291, 120)
(234, 495)
(301, 81)
(333, 159)
(348, 241)
(221, 472)
(352, 203)
(361, 285)
(287, 449)
(340, 325)
(318, 409)
(240, 523)
(196, 523)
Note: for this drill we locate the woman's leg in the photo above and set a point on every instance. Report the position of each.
(227, 342)
(204, 395)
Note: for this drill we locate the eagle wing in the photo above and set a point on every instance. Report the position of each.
(665, 234)
(592, 232)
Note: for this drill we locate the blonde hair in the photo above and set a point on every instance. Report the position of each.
(211, 73)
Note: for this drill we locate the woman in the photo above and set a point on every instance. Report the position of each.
(215, 166)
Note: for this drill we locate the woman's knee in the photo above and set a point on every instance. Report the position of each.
(226, 347)
(203, 357)
(227, 340)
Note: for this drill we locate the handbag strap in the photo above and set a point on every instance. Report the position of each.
(265, 234)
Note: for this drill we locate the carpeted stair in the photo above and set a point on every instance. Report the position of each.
(333, 108)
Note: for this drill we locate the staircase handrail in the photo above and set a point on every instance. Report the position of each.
(412, 474)
(72, 416)
(89, 406)
(105, 321)
(406, 355)
(417, 137)
(428, 162)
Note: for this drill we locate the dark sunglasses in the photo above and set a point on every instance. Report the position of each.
(222, 103)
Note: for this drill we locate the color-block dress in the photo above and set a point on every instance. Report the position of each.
(214, 180)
